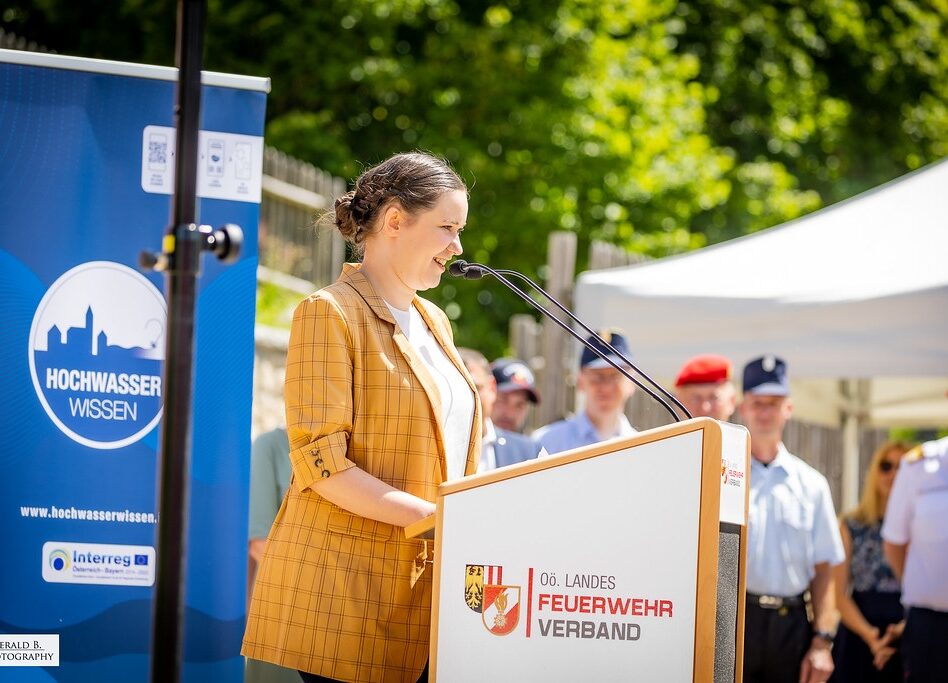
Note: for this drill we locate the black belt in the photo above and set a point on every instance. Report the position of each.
(775, 601)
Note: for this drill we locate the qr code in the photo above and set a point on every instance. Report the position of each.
(157, 152)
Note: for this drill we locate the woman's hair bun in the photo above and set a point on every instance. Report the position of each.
(343, 218)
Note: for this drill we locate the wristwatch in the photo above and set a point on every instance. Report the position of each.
(825, 635)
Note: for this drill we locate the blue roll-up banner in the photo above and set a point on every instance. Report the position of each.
(86, 174)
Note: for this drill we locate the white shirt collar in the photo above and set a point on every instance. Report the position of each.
(780, 460)
(490, 433)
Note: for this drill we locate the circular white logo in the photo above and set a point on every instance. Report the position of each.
(96, 347)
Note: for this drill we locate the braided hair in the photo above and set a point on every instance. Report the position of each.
(415, 180)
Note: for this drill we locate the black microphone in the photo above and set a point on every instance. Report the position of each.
(469, 271)
(475, 271)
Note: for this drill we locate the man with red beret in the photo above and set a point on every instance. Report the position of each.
(704, 387)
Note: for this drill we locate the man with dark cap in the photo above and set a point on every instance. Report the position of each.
(704, 387)
(606, 391)
(499, 447)
(516, 392)
(793, 543)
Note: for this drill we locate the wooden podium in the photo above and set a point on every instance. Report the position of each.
(615, 562)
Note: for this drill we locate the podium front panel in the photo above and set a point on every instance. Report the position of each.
(583, 570)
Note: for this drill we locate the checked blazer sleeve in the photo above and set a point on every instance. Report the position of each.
(318, 391)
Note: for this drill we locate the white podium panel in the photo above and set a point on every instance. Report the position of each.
(733, 473)
(582, 570)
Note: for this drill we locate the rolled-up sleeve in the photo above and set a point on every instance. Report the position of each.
(318, 392)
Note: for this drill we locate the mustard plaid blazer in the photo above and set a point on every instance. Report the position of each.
(334, 592)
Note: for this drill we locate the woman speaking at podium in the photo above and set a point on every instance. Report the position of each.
(380, 411)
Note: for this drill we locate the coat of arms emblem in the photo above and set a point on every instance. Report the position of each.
(485, 592)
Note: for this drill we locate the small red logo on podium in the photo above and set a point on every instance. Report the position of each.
(501, 609)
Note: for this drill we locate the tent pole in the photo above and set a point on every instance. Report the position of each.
(850, 488)
(855, 402)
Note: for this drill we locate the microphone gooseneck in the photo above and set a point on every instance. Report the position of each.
(475, 271)
(579, 322)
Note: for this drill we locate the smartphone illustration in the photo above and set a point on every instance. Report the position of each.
(215, 158)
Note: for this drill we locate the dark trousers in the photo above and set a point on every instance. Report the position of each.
(775, 641)
(313, 678)
(925, 646)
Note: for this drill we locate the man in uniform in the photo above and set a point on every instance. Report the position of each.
(704, 387)
(516, 392)
(499, 447)
(606, 392)
(915, 541)
(793, 542)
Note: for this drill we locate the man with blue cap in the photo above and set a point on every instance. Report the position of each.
(606, 392)
(793, 542)
(516, 392)
(499, 447)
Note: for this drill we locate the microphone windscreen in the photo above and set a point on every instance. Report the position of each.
(457, 268)
(473, 272)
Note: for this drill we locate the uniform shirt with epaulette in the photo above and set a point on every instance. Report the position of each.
(917, 514)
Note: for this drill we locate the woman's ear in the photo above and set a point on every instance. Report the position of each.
(392, 220)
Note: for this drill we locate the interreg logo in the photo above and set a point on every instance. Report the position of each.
(98, 563)
(96, 347)
(59, 560)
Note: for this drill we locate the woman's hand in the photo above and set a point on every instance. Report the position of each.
(872, 638)
(894, 631)
(884, 650)
(882, 656)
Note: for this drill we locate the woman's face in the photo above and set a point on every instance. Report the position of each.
(428, 240)
(888, 466)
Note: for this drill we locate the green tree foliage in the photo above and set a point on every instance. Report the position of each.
(657, 125)
(819, 100)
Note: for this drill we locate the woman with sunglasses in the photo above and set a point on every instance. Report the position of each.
(867, 592)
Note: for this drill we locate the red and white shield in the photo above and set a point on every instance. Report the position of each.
(501, 609)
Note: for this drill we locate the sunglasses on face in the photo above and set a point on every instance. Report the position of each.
(886, 466)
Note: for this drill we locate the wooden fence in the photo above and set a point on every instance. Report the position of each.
(292, 241)
(297, 253)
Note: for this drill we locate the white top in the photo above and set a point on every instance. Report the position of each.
(791, 526)
(488, 460)
(917, 514)
(457, 399)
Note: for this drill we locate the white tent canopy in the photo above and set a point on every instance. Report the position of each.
(857, 291)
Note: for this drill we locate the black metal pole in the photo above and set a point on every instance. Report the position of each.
(183, 246)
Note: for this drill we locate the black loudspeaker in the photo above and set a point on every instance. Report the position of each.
(725, 637)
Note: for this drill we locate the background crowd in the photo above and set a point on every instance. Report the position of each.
(824, 601)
